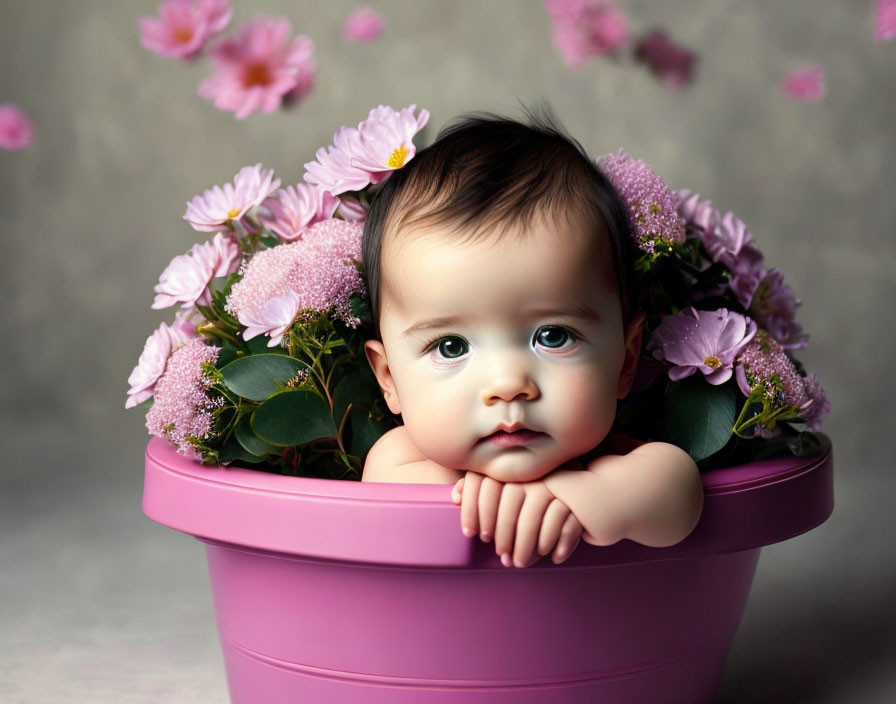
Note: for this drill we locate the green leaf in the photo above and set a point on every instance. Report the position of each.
(359, 388)
(292, 418)
(698, 416)
(365, 432)
(233, 451)
(259, 345)
(258, 376)
(250, 441)
(226, 356)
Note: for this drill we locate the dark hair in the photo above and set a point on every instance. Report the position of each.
(487, 170)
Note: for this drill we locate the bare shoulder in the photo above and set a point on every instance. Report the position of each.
(394, 458)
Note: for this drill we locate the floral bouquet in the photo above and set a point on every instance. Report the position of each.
(263, 365)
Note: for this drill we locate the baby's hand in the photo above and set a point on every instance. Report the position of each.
(524, 518)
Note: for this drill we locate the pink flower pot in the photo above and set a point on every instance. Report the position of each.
(329, 591)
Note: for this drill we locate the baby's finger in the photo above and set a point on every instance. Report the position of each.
(527, 529)
(457, 490)
(554, 517)
(489, 500)
(469, 507)
(512, 496)
(569, 539)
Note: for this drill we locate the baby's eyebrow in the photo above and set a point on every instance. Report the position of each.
(576, 311)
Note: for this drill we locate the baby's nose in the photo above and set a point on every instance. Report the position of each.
(509, 383)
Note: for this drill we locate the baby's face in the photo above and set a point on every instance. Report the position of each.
(503, 333)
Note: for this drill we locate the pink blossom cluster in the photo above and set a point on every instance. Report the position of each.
(586, 28)
(762, 291)
(158, 348)
(705, 341)
(16, 130)
(183, 27)
(187, 278)
(259, 68)
(363, 25)
(369, 153)
(293, 209)
(764, 363)
(182, 410)
(219, 206)
(318, 272)
(652, 205)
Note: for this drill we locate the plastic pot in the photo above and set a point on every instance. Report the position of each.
(337, 591)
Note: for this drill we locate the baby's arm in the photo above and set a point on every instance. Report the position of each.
(652, 495)
(395, 458)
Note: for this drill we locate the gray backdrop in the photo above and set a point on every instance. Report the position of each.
(99, 604)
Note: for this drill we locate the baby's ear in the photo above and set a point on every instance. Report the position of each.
(376, 357)
(634, 332)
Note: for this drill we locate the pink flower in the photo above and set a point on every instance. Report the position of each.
(885, 20)
(352, 209)
(182, 411)
(184, 27)
(764, 363)
(151, 365)
(319, 268)
(707, 341)
(295, 208)
(273, 317)
(186, 279)
(699, 216)
(818, 406)
(363, 25)
(652, 205)
(256, 68)
(672, 64)
(774, 305)
(380, 144)
(806, 84)
(16, 130)
(216, 207)
(586, 28)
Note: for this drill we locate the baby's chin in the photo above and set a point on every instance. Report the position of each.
(516, 467)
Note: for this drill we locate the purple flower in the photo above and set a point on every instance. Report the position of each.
(672, 64)
(699, 216)
(704, 340)
(764, 365)
(363, 26)
(257, 67)
(182, 411)
(184, 27)
(358, 157)
(652, 205)
(885, 20)
(806, 84)
(318, 268)
(16, 130)
(352, 209)
(217, 206)
(295, 208)
(774, 306)
(586, 28)
(186, 279)
(817, 407)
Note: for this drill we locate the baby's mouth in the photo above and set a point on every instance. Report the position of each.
(523, 436)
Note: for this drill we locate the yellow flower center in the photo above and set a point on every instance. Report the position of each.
(396, 161)
(183, 35)
(713, 362)
(231, 214)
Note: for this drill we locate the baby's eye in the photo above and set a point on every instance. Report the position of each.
(451, 347)
(554, 337)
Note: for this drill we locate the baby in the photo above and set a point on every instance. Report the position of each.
(497, 262)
